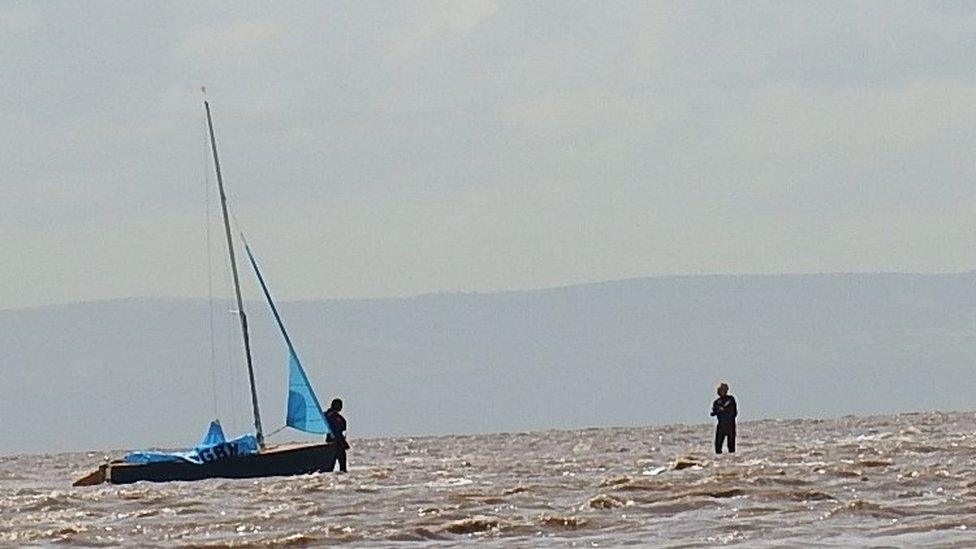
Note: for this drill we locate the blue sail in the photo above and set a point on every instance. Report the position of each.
(304, 412)
(215, 435)
(213, 447)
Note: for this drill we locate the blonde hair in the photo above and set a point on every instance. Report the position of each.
(723, 386)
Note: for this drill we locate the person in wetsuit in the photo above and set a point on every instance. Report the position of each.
(337, 426)
(724, 410)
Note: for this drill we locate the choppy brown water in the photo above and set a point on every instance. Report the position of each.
(905, 480)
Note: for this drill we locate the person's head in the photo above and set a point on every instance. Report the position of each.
(723, 389)
(337, 404)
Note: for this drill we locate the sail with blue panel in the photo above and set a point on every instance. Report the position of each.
(304, 411)
(215, 435)
(213, 447)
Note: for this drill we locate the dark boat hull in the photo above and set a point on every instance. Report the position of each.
(296, 459)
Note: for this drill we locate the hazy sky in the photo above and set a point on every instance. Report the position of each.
(397, 148)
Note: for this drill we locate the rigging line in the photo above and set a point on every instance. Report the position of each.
(237, 224)
(230, 279)
(230, 370)
(210, 295)
(243, 388)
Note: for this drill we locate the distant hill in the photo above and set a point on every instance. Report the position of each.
(136, 372)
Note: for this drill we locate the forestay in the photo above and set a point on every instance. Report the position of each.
(304, 411)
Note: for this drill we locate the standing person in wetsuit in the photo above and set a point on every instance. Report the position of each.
(725, 411)
(337, 426)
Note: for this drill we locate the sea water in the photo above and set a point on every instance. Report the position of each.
(906, 480)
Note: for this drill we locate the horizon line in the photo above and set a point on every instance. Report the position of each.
(404, 297)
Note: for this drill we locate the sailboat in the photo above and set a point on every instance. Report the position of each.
(247, 456)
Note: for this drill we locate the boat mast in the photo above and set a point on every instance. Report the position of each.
(237, 282)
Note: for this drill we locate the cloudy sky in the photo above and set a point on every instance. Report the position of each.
(375, 149)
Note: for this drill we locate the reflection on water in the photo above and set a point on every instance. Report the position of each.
(896, 480)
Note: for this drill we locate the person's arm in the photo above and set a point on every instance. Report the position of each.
(331, 424)
(735, 408)
(341, 437)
